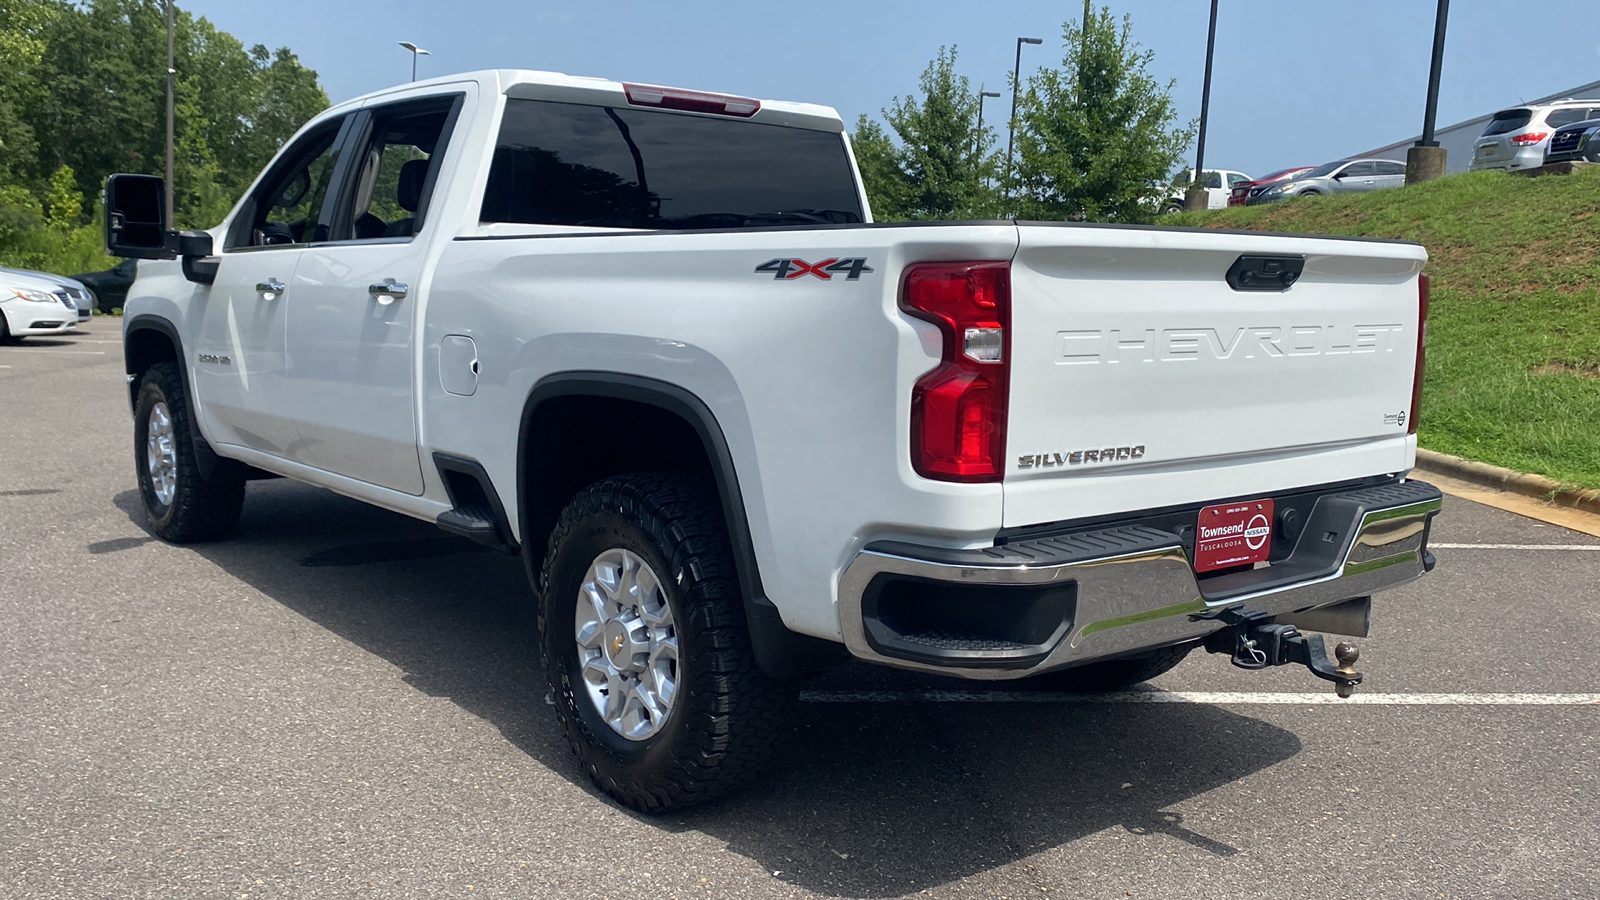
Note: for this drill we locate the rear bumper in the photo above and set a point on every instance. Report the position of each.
(1033, 606)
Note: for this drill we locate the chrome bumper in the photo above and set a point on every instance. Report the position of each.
(1133, 588)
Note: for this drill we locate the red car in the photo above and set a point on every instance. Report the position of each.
(1241, 191)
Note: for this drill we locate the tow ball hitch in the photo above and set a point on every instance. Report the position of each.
(1254, 644)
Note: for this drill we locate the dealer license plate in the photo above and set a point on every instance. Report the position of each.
(1233, 534)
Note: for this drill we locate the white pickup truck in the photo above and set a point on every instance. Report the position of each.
(651, 340)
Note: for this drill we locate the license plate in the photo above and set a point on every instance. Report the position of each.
(1233, 534)
(1487, 151)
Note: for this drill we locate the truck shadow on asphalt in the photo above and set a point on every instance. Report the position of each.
(863, 799)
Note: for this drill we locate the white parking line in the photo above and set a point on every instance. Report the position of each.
(1215, 698)
(1514, 546)
(43, 350)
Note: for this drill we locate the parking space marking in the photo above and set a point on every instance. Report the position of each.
(1591, 547)
(52, 350)
(1210, 698)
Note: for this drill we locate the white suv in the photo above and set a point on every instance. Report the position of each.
(1515, 138)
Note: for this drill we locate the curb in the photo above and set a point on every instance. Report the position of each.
(1536, 486)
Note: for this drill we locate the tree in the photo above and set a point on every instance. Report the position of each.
(1096, 138)
(940, 166)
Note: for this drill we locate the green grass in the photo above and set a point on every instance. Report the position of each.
(1514, 329)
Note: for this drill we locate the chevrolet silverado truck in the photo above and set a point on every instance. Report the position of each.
(651, 340)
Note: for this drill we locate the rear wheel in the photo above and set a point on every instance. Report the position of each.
(648, 658)
(182, 506)
(5, 328)
(1114, 674)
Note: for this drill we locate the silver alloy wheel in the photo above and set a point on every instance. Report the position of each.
(160, 455)
(627, 644)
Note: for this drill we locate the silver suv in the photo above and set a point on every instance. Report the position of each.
(1516, 138)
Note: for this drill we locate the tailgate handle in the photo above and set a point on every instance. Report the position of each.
(1265, 273)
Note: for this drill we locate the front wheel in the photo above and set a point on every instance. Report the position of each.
(648, 658)
(182, 506)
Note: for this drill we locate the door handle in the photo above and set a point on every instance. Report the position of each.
(270, 289)
(388, 291)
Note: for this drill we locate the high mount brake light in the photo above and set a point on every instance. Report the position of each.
(958, 410)
(1422, 333)
(1531, 137)
(691, 101)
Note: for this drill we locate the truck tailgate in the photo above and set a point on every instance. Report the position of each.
(1140, 377)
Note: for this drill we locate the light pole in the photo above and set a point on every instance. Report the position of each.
(1196, 197)
(415, 52)
(171, 75)
(977, 148)
(1016, 84)
(1427, 160)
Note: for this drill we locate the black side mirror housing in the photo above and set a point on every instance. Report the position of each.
(136, 217)
(136, 227)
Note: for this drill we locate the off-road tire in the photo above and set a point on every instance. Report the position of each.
(200, 510)
(1115, 674)
(728, 715)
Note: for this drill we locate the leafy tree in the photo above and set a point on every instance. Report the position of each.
(1096, 137)
(83, 95)
(940, 166)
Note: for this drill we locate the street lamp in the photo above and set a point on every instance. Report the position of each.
(415, 52)
(977, 148)
(1016, 83)
(1427, 160)
(1196, 196)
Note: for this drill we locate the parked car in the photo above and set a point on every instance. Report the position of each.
(30, 305)
(1577, 142)
(1343, 176)
(111, 286)
(1241, 189)
(1217, 182)
(82, 298)
(740, 434)
(1516, 138)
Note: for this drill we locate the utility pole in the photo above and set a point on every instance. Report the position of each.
(171, 75)
(1016, 85)
(1427, 160)
(1196, 197)
(1083, 52)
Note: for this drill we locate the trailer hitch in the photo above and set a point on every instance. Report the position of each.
(1254, 643)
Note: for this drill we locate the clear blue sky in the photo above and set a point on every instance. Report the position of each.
(1295, 81)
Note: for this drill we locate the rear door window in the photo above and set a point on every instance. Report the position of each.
(1507, 120)
(623, 167)
(1390, 168)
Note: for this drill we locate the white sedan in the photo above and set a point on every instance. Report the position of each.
(33, 306)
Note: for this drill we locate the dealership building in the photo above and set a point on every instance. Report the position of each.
(1460, 138)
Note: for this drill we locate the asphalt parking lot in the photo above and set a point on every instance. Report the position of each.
(341, 700)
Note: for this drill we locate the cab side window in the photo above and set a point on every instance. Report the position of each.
(287, 206)
(394, 170)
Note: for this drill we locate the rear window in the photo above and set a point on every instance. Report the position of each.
(1560, 117)
(569, 164)
(1507, 120)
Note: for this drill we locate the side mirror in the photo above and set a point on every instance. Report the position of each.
(136, 217)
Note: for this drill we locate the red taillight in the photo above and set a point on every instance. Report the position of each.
(1531, 137)
(958, 411)
(691, 101)
(1422, 333)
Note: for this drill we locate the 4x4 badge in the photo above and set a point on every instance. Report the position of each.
(789, 269)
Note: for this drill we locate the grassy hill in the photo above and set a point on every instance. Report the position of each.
(1514, 328)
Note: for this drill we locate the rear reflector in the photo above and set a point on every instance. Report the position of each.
(1422, 333)
(958, 410)
(691, 101)
(1532, 137)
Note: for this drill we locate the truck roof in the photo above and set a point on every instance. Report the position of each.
(532, 84)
